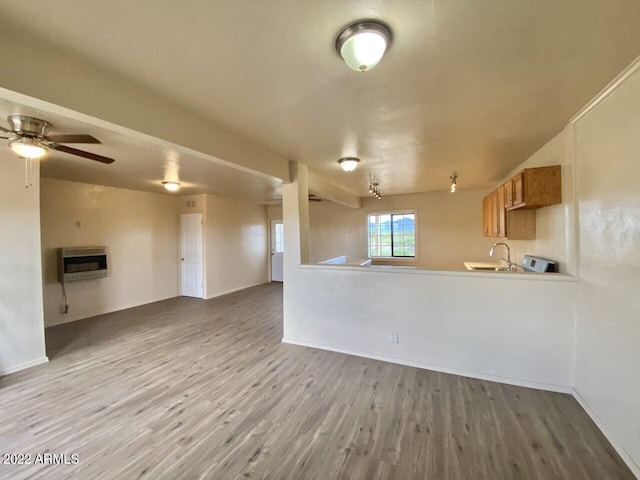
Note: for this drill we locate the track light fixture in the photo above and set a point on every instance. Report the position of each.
(374, 189)
(454, 185)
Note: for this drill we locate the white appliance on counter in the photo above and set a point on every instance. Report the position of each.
(538, 264)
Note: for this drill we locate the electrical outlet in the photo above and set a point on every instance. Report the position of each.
(394, 337)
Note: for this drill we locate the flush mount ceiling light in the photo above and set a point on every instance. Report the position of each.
(349, 164)
(362, 44)
(171, 186)
(27, 147)
(453, 179)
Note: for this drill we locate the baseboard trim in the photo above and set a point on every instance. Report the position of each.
(117, 309)
(233, 290)
(23, 366)
(633, 466)
(436, 368)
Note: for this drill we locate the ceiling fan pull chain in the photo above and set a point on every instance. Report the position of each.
(28, 172)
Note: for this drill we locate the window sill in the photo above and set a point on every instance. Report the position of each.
(385, 260)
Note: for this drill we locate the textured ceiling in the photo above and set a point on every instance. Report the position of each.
(140, 164)
(467, 86)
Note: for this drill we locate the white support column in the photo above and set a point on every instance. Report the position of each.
(295, 215)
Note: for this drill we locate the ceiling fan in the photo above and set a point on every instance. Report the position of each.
(28, 138)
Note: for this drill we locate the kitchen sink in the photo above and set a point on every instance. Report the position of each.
(490, 267)
(482, 266)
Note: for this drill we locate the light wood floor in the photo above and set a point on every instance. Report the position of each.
(189, 388)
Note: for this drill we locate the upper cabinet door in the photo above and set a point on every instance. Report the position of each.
(517, 186)
(501, 212)
(508, 194)
(537, 187)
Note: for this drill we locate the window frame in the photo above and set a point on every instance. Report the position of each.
(404, 211)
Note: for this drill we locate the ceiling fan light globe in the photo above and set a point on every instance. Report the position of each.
(27, 148)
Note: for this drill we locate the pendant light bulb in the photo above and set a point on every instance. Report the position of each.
(454, 185)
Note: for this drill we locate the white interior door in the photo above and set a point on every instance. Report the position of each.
(191, 261)
(277, 251)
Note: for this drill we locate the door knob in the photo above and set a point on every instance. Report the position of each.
(182, 259)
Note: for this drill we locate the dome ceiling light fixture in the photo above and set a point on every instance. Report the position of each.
(171, 186)
(362, 44)
(349, 164)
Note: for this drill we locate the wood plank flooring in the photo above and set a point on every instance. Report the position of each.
(191, 389)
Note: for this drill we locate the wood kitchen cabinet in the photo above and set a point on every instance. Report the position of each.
(487, 227)
(494, 220)
(509, 211)
(535, 188)
(501, 213)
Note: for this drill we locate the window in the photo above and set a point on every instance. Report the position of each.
(279, 240)
(392, 235)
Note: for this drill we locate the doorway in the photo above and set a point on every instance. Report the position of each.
(191, 256)
(277, 250)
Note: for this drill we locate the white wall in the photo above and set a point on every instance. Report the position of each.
(449, 228)
(608, 318)
(139, 229)
(461, 322)
(132, 109)
(21, 317)
(555, 225)
(274, 211)
(336, 230)
(235, 245)
(477, 324)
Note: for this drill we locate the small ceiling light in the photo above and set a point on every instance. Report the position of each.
(363, 44)
(374, 189)
(349, 164)
(171, 186)
(454, 186)
(27, 147)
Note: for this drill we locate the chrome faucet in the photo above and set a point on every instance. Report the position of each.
(508, 260)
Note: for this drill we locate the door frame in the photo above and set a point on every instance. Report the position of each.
(269, 246)
(204, 254)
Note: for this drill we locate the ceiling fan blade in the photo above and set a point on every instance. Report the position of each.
(6, 138)
(72, 139)
(82, 153)
(6, 130)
